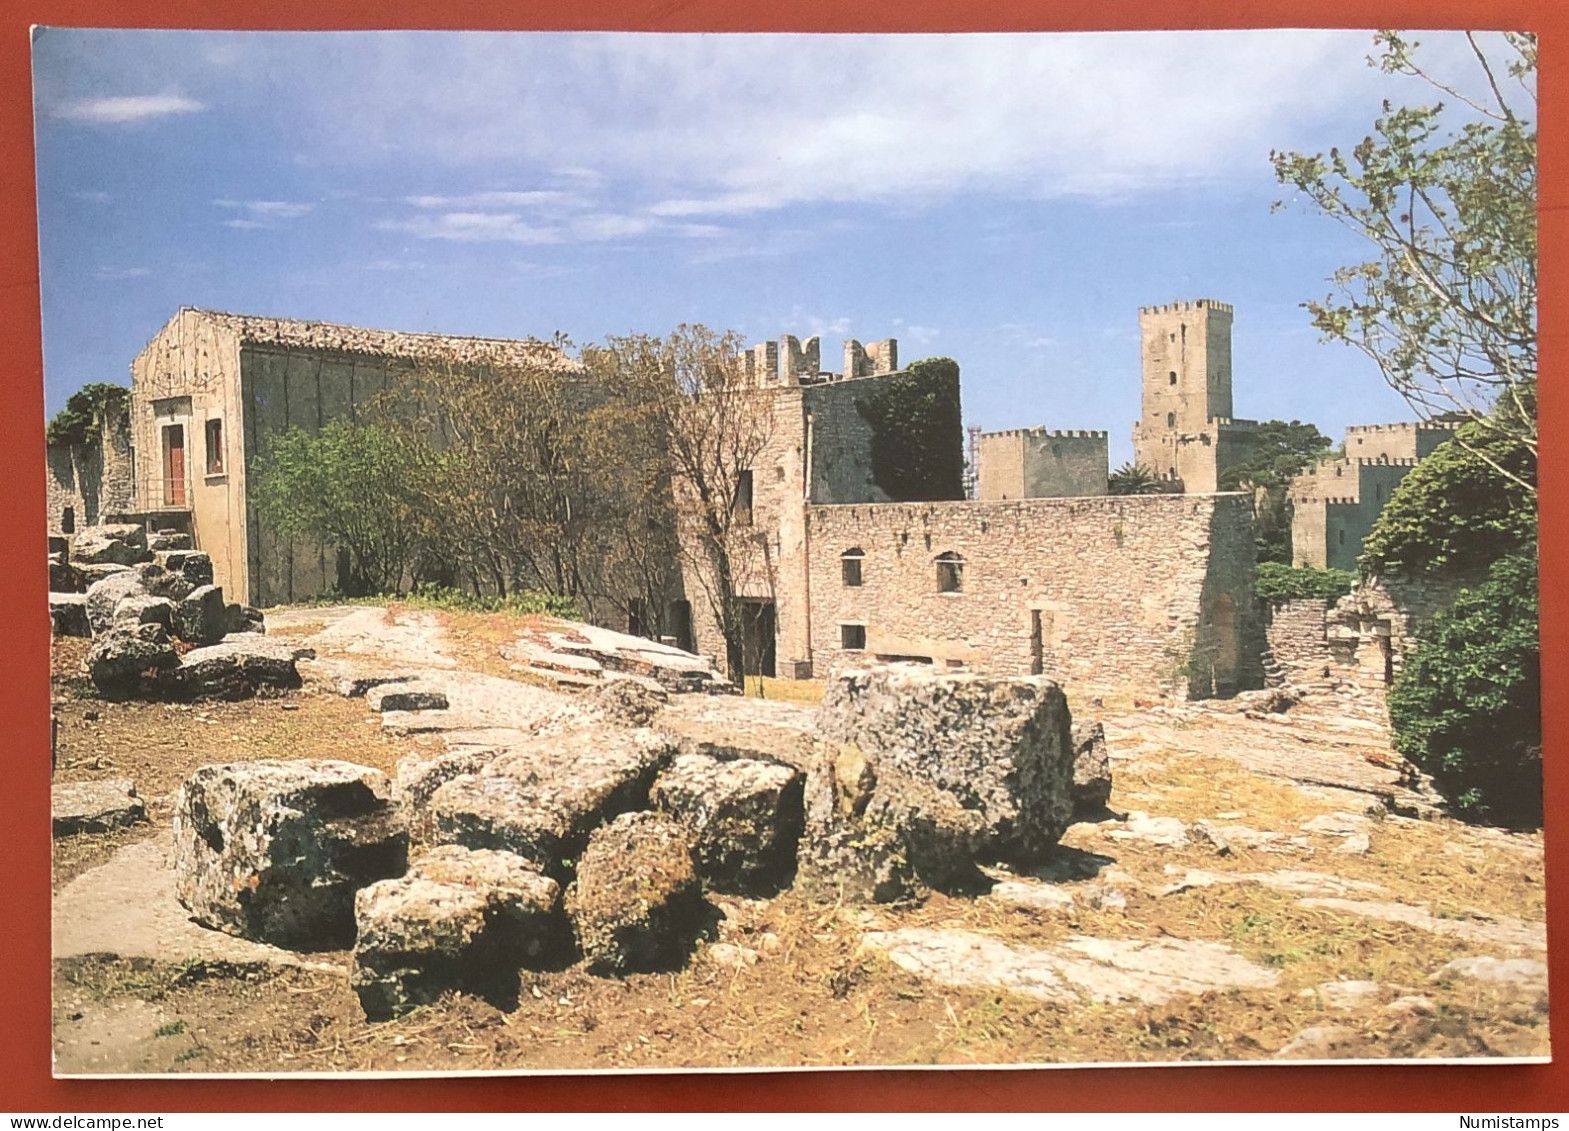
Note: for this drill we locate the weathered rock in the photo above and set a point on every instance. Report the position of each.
(1484, 968)
(92, 573)
(105, 595)
(120, 543)
(356, 686)
(119, 656)
(637, 903)
(236, 667)
(1001, 747)
(405, 697)
(65, 577)
(164, 540)
(68, 614)
(745, 816)
(459, 920)
(628, 701)
(95, 806)
(1091, 770)
(142, 608)
(542, 799)
(1323, 1042)
(161, 582)
(202, 617)
(419, 776)
(871, 831)
(274, 851)
(244, 618)
(196, 568)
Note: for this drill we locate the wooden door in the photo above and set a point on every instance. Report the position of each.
(174, 465)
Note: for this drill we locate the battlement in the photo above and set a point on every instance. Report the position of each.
(1050, 433)
(1341, 500)
(1408, 426)
(1236, 424)
(1188, 305)
(1384, 461)
(872, 359)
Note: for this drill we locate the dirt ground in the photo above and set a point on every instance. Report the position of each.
(798, 984)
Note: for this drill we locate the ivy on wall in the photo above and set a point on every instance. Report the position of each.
(917, 447)
(81, 420)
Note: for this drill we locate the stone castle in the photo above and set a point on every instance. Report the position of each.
(868, 546)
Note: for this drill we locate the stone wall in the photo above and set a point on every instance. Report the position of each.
(1034, 463)
(90, 480)
(1143, 592)
(1298, 647)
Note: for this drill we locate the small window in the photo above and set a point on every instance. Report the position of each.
(1172, 378)
(850, 567)
(1171, 420)
(852, 637)
(741, 512)
(950, 573)
(1378, 492)
(215, 447)
(1342, 537)
(68, 521)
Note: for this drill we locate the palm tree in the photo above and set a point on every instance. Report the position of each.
(1134, 479)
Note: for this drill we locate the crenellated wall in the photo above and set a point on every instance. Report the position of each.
(1037, 463)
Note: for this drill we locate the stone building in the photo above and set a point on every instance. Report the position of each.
(209, 390)
(1186, 433)
(1335, 503)
(90, 482)
(1038, 463)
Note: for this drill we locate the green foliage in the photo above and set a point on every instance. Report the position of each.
(1278, 450)
(1466, 707)
(1461, 508)
(518, 603)
(1447, 197)
(350, 486)
(917, 432)
(81, 420)
(1134, 479)
(1278, 581)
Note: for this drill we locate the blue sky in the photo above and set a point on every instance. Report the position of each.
(1005, 200)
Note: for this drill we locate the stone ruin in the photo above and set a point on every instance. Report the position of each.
(603, 844)
(160, 628)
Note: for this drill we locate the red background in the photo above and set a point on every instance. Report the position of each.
(24, 633)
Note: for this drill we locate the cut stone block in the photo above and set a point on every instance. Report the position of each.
(68, 614)
(144, 609)
(745, 815)
(118, 543)
(120, 656)
(405, 697)
(236, 667)
(1091, 770)
(202, 617)
(274, 851)
(105, 595)
(95, 806)
(637, 903)
(459, 920)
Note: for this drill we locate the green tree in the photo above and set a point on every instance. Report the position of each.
(1134, 479)
(1466, 707)
(1446, 194)
(81, 421)
(1280, 449)
(354, 487)
(1463, 507)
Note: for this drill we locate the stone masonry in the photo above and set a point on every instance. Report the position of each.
(1037, 463)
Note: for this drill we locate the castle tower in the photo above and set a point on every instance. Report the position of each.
(1186, 375)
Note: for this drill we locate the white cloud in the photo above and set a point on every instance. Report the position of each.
(92, 196)
(126, 108)
(121, 272)
(268, 209)
(473, 227)
(244, 225)
(495, 199)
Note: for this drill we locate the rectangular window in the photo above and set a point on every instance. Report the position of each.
(215, 447)
(741, 512)
(852, 637)
(852, 571)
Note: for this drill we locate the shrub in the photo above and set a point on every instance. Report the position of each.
(1279, 582)
(1466, 707)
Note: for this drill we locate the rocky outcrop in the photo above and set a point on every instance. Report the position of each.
(275, 851)
(459, 920)
(1091, 770)
(637, 903)
(95, 806)
(1000, 748)
(745, 817)
(542, 799)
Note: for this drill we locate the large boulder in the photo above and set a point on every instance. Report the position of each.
(1001, 747)
(142, 608)
(873, 832)
(744, 814)
(162, 582)
(637, 903)
(244, 618)
(459, 920)
(120, 657)
(630, 701)
(1091, 770)
(95, 806)
(421, 774)
(196, 568)
(162, 540)
(542, 799)
(68, 614)
(236, 667)
(202, 617)
(105, 595)
(118, 543)
(275, 851)
(65, 577)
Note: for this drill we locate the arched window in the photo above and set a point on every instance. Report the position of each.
(1172, 377)
(68, 521)
(950, 573)
(1171, 420)
(850, 566)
